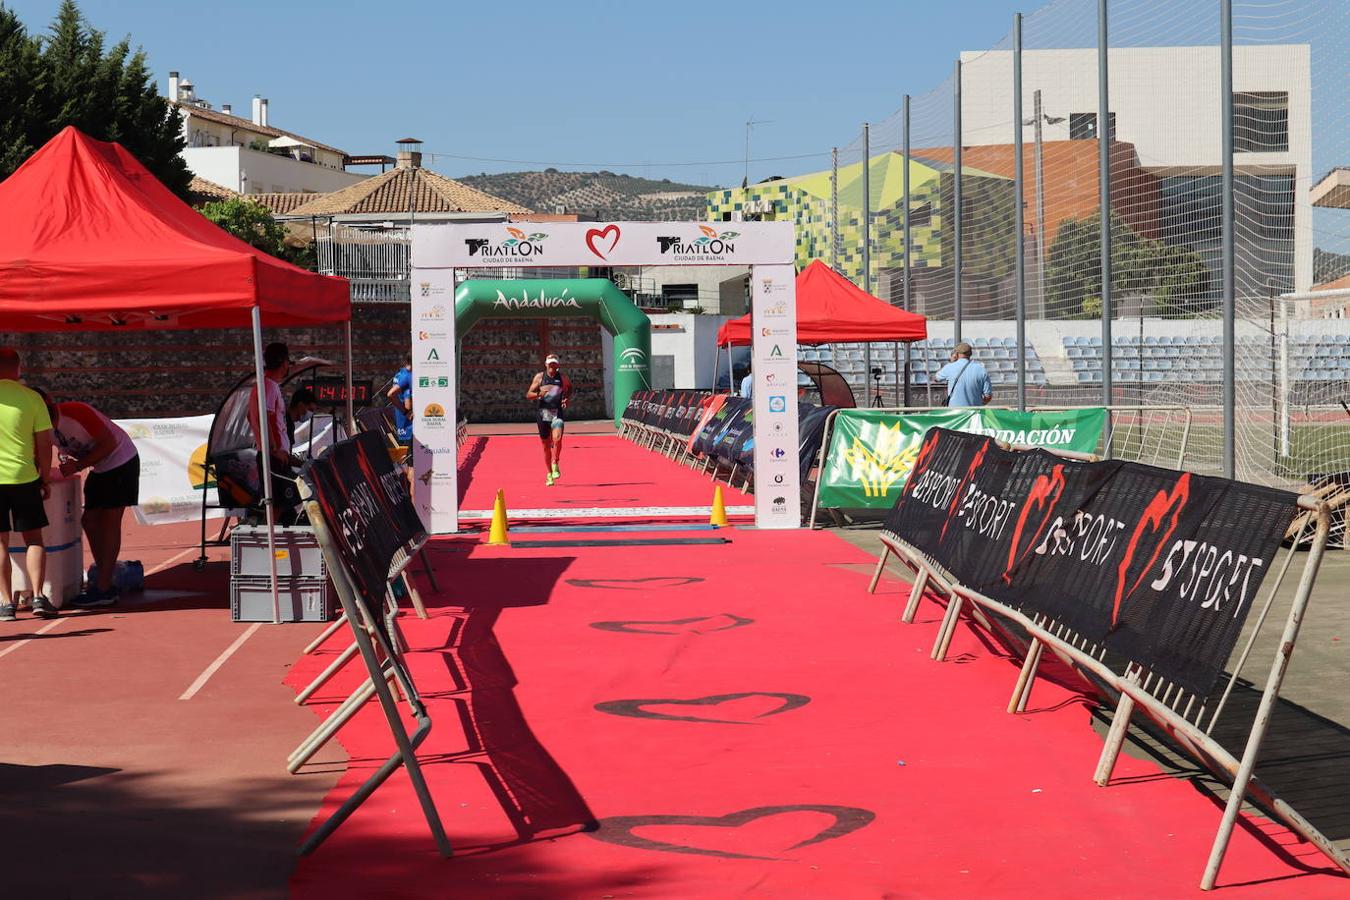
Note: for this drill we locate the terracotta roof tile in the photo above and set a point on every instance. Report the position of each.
(200, 187)
(398, 190)
(282, 204)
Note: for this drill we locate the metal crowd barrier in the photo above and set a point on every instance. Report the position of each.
(1133, 687)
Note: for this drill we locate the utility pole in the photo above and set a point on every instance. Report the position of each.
(749, 125)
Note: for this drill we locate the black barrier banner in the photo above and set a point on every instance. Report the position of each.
(1162, 566)
(370, 514)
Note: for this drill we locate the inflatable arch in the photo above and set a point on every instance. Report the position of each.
(595, 298)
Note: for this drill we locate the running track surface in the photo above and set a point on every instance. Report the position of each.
(744, 719)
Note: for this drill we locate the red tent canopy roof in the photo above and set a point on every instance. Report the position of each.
(833, 310)
(90, 240)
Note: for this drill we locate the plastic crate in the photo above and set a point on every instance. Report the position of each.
(302, 599)
(297, 549)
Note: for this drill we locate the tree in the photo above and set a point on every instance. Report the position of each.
(1176, 278)
(251, 222)
(69, 78)
(254, 224)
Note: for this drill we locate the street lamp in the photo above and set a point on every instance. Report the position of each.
(1037, 117)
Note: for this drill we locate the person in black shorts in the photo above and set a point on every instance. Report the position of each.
(25, 461)
(552, 391)
(86, 439)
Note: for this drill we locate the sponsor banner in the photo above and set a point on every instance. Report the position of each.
(502, 245)
(173, 458)
(1160, 565)
(871, 453)
(774, 429)
(434, 400)
(370, 515)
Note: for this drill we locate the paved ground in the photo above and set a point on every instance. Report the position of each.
(1307, 751)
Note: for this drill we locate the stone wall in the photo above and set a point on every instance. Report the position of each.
(185, 373)
(501, 356)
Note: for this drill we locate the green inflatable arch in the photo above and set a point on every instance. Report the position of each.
(595, 298)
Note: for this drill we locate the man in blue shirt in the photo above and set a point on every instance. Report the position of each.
(967, 381)
(747, 383)
(401, 394)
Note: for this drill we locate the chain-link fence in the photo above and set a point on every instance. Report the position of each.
(1004, 207)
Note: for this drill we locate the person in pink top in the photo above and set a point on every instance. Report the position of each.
(87, 439)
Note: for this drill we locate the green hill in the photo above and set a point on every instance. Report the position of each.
(602, 195)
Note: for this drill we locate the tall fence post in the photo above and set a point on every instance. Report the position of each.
(867, 237)
(904, 139)
(834, 208)
(956, 202)
(1019, 218)
(1229, 282)
(1104, 184)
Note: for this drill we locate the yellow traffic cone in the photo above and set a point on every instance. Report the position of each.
(718, 519)
(497, 536)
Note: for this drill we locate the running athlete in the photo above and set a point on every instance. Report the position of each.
(552, 390)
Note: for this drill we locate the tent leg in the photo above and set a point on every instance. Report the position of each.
(351, 404)
(264, 429)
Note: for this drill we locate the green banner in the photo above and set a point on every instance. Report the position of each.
(871, 453)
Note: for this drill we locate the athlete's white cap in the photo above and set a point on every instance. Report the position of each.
(551, 359)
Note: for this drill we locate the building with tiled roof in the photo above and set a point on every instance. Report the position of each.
(405, 192)
(202, 191)
(250, 155)
(284, 204)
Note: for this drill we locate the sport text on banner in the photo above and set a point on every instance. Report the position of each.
(1160, 565)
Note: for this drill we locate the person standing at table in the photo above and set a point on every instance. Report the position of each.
(552, 390)
(285, 495)
(25, 462)
(87, 439)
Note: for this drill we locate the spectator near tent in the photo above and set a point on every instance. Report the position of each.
(87, 439)
(25, 459)
(400, 393)
(276, 363)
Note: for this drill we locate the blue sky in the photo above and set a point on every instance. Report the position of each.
(632, 87)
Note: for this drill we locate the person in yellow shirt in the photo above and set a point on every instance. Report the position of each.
(25, 460)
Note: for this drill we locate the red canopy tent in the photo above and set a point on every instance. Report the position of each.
(833, 310)
(91, 241)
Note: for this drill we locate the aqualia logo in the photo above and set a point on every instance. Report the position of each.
(518, 245)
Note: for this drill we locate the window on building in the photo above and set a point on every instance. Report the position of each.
(679, 295)
(1260, 121)
(1083, 126)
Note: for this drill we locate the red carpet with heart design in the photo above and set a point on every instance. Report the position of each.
(742, 718)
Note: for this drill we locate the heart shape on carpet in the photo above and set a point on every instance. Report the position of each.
(638, 708)
(720, 622)
(619, 829)
(634, 584)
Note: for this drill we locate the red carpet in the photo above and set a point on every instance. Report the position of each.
(598, 471)
(744, 719)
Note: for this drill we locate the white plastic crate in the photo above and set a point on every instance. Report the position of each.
(302, 599)
(297, 551)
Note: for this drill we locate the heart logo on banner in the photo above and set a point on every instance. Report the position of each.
(721, 622)
(619, 829)
(634, 584)
(594, 234)
(637, 709)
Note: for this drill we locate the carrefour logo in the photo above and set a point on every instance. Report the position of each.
(710, 244)
(633, 359)
(518, 245)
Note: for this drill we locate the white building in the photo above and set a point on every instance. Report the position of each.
(1165, 101)
(251, 156)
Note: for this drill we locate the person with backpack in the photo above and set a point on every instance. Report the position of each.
(967, 381)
